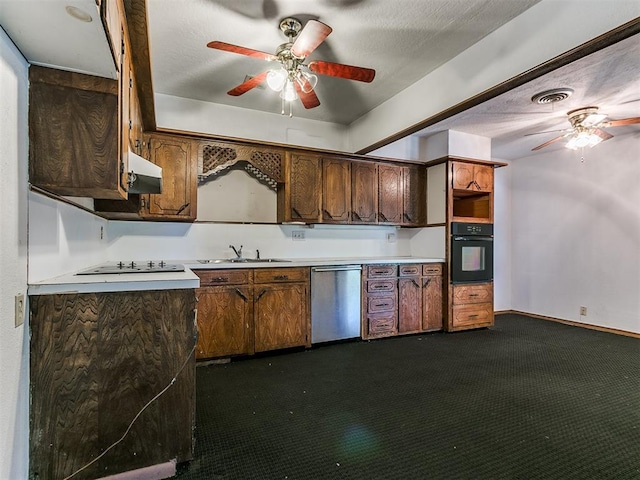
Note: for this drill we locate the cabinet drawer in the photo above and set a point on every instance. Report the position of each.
(382, 324)
(271, 275)
(379, 271)
(476, 293)
(374, 286)
(409, 270)
(381, 303)
(432, 269)
(475, 314)
(223, 277)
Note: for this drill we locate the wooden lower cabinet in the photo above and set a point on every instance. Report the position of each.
(243, 311)
(401, 299)
(472, 306)
(96, 359)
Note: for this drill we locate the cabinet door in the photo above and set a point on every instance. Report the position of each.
(389, 194)
(410, 305)
(306, 188)
(414, 195)
(178, 197)
(281, 316)
(483, 175)
(336, 190)
(224, 321)
(364, 192)
(432, 318)
(462, 176)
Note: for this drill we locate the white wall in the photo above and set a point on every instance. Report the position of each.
(14, 342)
(205, 117)
(172, 241)
(62, 238)
(576, 234)
(502, 238)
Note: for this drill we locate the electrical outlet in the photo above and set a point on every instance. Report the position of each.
(297, 235)
(19, 303)
(583, 311)
(391, 238)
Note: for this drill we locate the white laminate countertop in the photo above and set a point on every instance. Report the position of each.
(124, 282)
(305, 262)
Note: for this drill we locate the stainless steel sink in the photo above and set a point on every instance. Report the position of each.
(243, 260)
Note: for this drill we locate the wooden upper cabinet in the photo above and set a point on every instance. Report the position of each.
(301, 198)
(473, 177)
(390, 196)
(73, 134)
(364, 192)
(336, 190)
(179, 163)
(414, 196)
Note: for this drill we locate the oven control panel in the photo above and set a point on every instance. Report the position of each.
(459, 228)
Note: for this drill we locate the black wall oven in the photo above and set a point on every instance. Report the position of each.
(471, 252)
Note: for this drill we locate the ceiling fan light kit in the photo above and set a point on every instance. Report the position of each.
(587, 128)
(293, 78)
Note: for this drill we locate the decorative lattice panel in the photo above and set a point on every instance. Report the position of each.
(270, 163)
(215, 158)
(261, 177)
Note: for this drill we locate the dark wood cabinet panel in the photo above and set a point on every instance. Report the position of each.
(483, 175)
(471, 306)
(432, 303)
(95, 360)
(462, 176)
(281, 316)
(224, 321)
(73, 134)
(178, 197)
(364, 192)
(336, 190)
(389, 194)
(410, 305)
(414, 195)
(300, 200)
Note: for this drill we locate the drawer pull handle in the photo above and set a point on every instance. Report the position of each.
(383, 304)
(415, 283)
(220, 279)
(378, 287)
(474, 295)
(281, 277)
(473, 316)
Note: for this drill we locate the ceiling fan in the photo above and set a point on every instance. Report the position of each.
(586, 128)
(293, 78)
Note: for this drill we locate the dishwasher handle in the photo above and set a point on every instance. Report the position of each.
(336, 269)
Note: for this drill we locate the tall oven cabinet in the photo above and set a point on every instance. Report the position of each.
(460, 196)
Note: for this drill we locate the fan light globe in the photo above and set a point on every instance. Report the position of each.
(276, 79)
(288, 93)
(583, 139)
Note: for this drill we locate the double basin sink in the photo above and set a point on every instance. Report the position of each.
(244, 260)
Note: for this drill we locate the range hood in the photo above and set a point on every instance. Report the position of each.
(144, 176)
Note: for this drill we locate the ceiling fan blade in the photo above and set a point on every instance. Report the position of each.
(228, 47)
(623, 121)
(545, 144)
(248, 85)
(312, 35)
(602, 134)
(343, 71)
(549, 131)
(310, 99)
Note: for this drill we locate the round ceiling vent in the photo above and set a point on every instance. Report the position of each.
(552, 96)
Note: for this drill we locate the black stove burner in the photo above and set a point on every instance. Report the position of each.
(134, 267)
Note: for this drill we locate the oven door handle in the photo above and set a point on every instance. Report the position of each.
(468, 239)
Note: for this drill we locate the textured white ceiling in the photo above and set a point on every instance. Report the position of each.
(403, 40)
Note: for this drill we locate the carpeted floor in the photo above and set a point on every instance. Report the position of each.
(526, 399)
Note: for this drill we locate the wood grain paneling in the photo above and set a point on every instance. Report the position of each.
(390, 196)
(306, 188)
(224, 277)
(287, 274)
(280, 316)
(410, 305)
(96, 360)
(472, 293)
(432, 303)
(377, 286)
(336, 190)
(414, 195)
(364, 192)
(378, 271)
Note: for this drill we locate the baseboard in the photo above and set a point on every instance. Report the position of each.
(572, 323)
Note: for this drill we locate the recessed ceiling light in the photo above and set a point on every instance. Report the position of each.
(76, 13)
(552, 96)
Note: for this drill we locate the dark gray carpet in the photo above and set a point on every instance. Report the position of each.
(526, 399)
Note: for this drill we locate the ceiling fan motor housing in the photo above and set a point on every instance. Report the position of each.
(290, 27)
(578, 116)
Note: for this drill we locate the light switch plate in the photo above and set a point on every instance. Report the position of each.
(19, 302)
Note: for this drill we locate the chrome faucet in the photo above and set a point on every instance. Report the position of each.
(238, 252)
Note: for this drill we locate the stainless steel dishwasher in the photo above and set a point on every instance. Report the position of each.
(335, 303)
